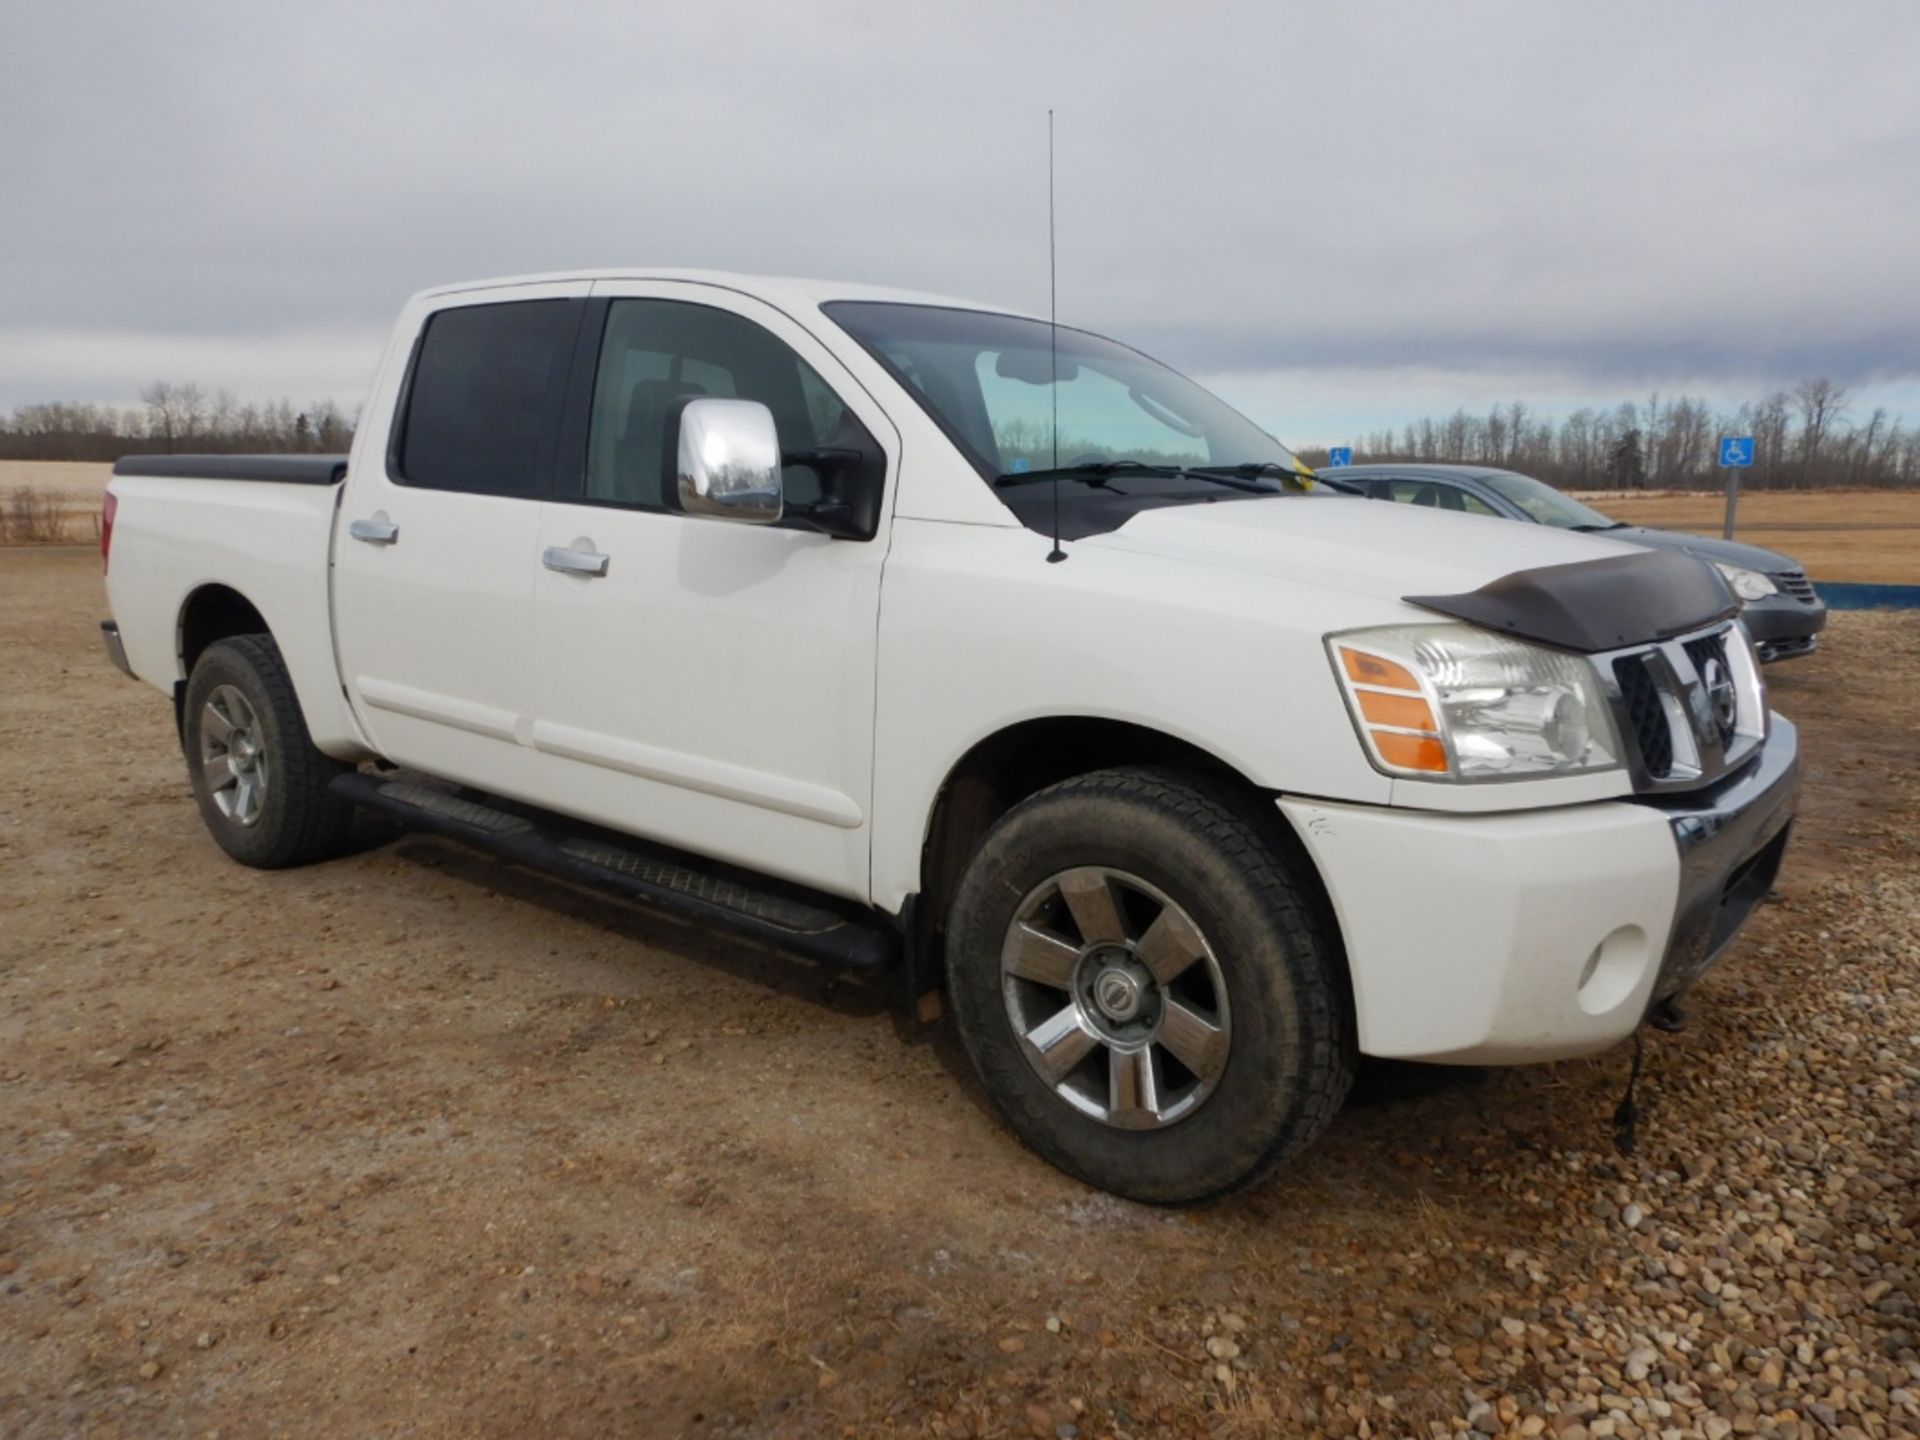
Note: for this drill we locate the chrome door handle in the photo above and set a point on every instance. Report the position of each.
(378, 531)
(573, 562)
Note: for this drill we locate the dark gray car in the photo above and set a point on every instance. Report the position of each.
(1778, 603)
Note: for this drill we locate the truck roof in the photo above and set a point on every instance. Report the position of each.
(775, 288)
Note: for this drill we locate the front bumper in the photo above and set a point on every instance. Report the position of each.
(1730, 844)
(1519, 936)
(1783, 627)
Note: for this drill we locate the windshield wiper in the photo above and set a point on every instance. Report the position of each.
(1092, 472)
(1589, 529)
(1097, 472)
(1280, 472)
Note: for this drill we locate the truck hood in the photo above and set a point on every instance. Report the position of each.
(1341, 543)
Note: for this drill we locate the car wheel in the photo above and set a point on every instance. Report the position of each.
(261, 785)
(1147, 986)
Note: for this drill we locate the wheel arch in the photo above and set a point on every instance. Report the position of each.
(1002, 769)
(210, 613)
(214, 611)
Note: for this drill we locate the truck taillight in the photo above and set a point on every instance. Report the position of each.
(107, 506)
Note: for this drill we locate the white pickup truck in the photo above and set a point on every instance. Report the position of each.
(916, 635)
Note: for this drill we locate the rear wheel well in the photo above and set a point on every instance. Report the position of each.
(212, 613)
(1007, 767)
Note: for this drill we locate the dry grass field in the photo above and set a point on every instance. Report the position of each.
(1857, 535)
(412, 1143)
(79, 479)
(50, 500)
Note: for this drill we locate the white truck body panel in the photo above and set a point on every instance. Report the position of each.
(268, 543)
(1550, 892)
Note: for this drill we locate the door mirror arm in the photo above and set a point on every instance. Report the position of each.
(824, 460)
(848, 506)
(829, 517)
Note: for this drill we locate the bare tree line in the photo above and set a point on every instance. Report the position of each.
(172, 417)
(1803, 437)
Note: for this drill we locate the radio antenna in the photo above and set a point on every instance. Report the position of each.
(1053, 349)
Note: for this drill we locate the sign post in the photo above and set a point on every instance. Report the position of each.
(1339, 455)
(1736, 454)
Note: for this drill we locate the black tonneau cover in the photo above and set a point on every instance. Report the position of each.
(283, 469)
(1595, 605)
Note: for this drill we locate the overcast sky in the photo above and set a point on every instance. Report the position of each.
(1341, 214)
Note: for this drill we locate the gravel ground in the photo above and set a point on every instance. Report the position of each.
(411, 1144)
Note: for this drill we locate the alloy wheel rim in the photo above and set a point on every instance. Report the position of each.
(233, 756)
(1118, 1000)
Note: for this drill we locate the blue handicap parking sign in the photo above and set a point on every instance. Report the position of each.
(1736, 451)
(1340, 455)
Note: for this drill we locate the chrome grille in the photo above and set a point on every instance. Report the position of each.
(1796, 584)
(1689, 710)
(1646, 720)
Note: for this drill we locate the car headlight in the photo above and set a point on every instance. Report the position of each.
(1455, 702)
(1747, 584)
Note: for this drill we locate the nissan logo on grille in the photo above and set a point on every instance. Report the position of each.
(1679, 704)
(1721, 697)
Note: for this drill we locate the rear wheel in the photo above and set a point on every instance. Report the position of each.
(261, 784)
(1146, 986)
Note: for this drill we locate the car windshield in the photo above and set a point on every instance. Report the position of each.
(993, 385)
(1546, 504)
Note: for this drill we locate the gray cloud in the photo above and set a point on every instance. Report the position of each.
(1621, 195)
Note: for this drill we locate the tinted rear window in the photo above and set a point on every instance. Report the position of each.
(485, 395)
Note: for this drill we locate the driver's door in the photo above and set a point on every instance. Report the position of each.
(713, 684)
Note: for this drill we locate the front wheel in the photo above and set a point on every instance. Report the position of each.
(261, 784)
(1146, 987)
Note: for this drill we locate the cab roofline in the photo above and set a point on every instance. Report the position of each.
(776, 288)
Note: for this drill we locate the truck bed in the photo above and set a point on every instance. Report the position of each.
(281, 469)
(193, 530)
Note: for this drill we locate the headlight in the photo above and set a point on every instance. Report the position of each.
(1747, 584)
(1455, 702)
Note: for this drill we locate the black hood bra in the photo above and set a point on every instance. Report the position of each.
(1596, 605)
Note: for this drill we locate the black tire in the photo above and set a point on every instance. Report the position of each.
(296, 818)
(1290, 1058)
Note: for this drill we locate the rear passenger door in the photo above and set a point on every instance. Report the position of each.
(713, 685)
(436, 548)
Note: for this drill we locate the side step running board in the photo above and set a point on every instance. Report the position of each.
(820, 928)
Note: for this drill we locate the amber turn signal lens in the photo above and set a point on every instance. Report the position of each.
(1365, 669)
(1410, 752)
(1408, 712)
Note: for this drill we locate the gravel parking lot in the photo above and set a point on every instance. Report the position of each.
(414, 1144)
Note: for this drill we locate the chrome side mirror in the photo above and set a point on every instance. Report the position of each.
(728, 461)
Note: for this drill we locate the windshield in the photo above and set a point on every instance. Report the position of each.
(1544, 503)
(990, 382)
